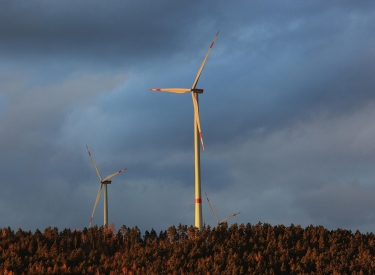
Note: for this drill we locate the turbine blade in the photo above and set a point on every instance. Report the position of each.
(212, 209)
(204, 62)
(197, 119)
(227, 218)
(96, 202)
(114, 174)
(93, 163)
(171, 90)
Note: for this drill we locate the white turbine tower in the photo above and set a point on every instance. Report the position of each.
(102, 182)
(197, 134)
(224, 220)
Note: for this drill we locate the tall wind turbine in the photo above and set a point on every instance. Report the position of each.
(224, 220)
(197, 134)
(102, 182)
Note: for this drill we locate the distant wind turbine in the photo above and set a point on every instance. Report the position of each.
(197, 134)
(105, 182)
(224, 220)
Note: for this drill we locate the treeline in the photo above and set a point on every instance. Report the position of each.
(238, 249)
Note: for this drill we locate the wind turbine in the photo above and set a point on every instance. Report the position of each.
(102, 182)
(197, 134)
(224, 220)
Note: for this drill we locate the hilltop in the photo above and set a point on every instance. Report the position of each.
(238, 249)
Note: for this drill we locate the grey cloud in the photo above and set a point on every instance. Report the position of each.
(340, 205)
(286, 112)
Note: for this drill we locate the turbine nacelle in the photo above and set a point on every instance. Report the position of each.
(198, 91)
(106, 182)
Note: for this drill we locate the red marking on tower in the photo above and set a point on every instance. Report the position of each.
(199, 200)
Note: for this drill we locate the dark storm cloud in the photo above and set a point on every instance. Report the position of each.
(97, 30)
(286, 113)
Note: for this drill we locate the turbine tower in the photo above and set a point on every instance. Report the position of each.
(197, 134)
(224, 220)
(102, 182)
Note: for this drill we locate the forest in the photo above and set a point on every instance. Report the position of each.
(237, 249)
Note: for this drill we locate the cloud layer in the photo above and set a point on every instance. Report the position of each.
(287, 112)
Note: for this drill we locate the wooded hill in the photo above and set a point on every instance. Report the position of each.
(238, 249)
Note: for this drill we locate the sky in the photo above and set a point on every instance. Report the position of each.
(287, 113)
